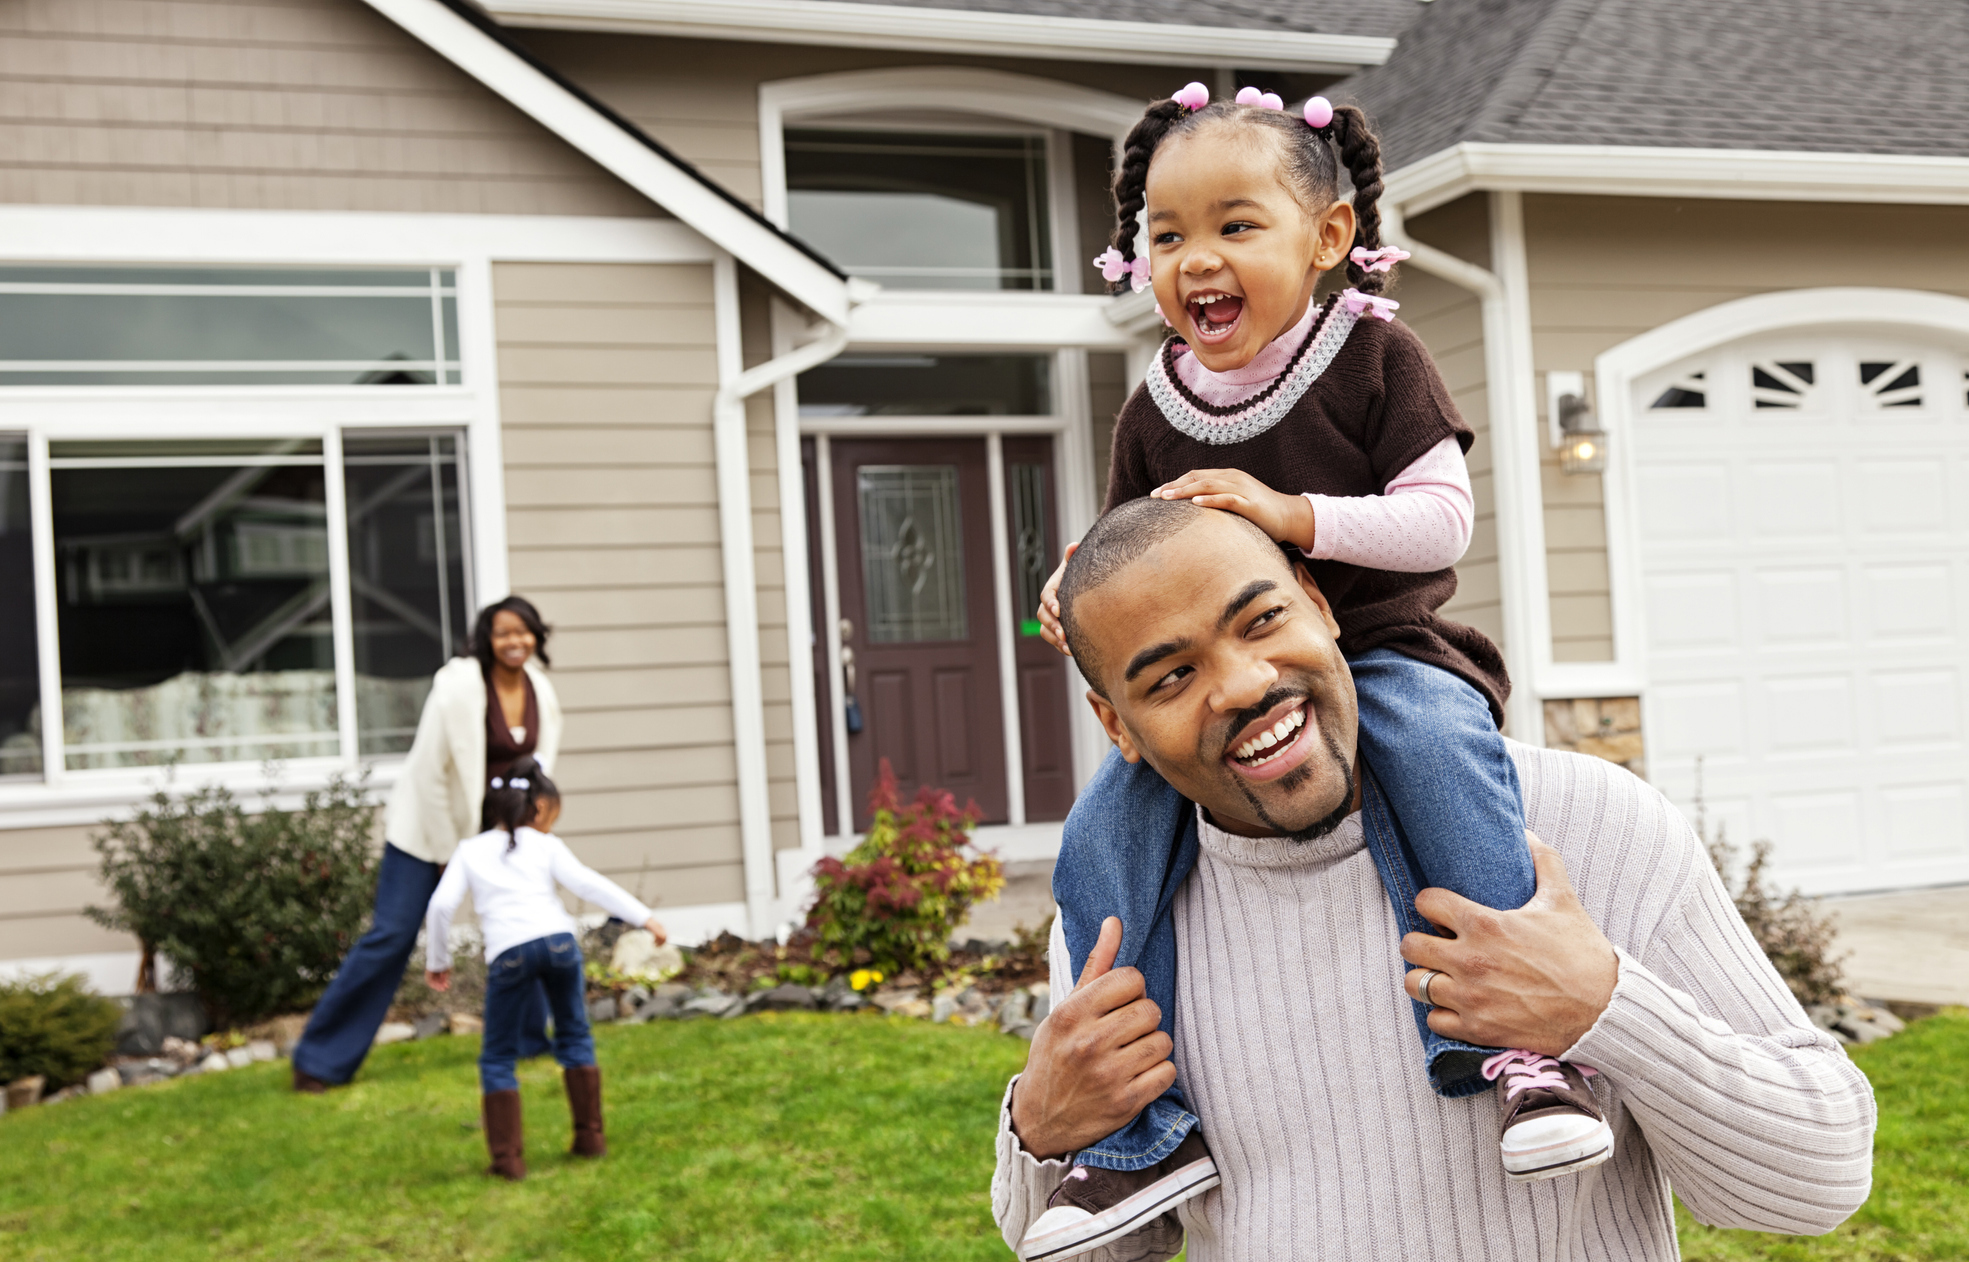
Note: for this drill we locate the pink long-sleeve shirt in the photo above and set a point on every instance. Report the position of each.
(1420, 524)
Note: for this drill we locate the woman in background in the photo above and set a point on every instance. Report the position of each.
(485, 712)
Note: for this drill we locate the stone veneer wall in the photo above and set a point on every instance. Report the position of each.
(1605, 727)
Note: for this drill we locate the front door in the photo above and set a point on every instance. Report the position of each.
(919, 620)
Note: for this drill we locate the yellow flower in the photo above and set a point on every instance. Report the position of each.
(863, 978)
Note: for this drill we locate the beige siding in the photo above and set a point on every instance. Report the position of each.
(266, 105)
(1449, 320)
(1605, 269)
(606, 380)
(47, 876)
(704, 103)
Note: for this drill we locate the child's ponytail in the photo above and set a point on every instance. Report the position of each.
(512, 801)
(1360, 149)
(1131, 180)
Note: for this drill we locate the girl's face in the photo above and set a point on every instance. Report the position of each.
(1233, 255)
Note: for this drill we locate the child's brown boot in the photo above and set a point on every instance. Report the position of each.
(584, 1100)
(501, 1110)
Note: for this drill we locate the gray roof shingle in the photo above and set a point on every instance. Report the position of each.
(1829, 76)
(1383, 18)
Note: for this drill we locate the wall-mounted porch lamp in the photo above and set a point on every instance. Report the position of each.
(1581, 442)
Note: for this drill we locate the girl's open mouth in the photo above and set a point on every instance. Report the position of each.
(1275, 750)
(1215, 315)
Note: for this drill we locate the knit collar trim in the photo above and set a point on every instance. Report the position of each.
(1276, 852)
(1223, 424)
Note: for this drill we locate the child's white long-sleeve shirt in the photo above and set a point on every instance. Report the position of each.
(514, 893)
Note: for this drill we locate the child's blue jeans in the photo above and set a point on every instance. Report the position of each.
(1441, 807)
(555, 963)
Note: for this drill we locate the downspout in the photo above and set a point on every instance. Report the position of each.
(736, 384)
(1510, 395)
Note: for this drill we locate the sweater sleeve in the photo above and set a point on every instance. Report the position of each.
(1757, 1116)
(1420, 524)
(591, 886)
(437, 917)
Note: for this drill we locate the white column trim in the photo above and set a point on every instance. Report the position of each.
(799, 592)
(1006, 621)
(47, 620)
(830, 581)
(341, 611)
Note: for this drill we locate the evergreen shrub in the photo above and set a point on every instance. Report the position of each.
(54, 1026)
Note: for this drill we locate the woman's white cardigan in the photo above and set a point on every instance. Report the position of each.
(441, 789)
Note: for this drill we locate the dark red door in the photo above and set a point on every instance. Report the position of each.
(1048, 683)
(912, 530)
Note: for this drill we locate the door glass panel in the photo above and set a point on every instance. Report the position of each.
(20, 676)
(407, 575)
(1028, 486)
(912, 553)
(193, 590)
(921, 210)
(928, 385)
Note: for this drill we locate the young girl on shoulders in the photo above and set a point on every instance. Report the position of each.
(1326, 424)
(512, 871)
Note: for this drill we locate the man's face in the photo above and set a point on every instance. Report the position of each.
(1222, 670)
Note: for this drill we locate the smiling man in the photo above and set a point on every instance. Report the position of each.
(1213, 660)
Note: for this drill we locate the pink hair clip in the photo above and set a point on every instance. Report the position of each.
(1193, 96)
(1381, 260)
(1374, 304)
(1263, 100)
(1114, 267)
(1319, 113)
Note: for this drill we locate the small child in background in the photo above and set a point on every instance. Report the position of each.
(512, 870)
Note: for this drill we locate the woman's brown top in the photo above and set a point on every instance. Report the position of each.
(502, 750)
(1368, 404)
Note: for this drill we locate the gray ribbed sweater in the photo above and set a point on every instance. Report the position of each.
(1296, 1046)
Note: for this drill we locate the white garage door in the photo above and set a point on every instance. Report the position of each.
(1803, 513)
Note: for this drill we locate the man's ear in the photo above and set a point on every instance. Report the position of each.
(1318, 597)
(1111, 724)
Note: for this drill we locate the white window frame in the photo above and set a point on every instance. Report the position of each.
(466, 244)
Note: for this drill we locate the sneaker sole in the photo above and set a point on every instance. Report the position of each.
(1549, 1163)
(1151, 1202)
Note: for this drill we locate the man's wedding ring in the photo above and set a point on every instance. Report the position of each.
(1422, 987)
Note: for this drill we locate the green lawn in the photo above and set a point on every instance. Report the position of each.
(764, 1138)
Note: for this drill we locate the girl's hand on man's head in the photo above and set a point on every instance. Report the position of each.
(1049, 606)
(1286, 518)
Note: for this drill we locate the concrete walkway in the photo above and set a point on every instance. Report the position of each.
(1910, 946)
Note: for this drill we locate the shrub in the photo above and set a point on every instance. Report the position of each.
(893, 902)
(54, 1026)
(259, 909)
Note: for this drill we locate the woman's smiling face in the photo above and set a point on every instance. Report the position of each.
(1234, 255)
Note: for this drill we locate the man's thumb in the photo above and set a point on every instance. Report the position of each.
(1106, 947)
(1554, 882)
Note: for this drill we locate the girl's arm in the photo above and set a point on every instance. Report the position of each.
(591, 886)
(437, 918)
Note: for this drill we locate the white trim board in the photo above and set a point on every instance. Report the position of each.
(1651, 171)
(1009, 320)
(621, 153)
(923, 29)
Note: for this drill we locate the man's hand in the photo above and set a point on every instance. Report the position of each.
(438, 980)
(1536, 978)
(1049, 606)
(1286, 518)
(1097, 1060)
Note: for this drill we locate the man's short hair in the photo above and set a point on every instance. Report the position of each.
(1121, 536)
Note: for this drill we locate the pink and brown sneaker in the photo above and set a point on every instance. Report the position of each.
(1551, 1123)
(1093, 1207)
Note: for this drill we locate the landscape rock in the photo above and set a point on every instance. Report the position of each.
(104, 1081)
(282, 1032)
(395, 1032)
(430, 1025)
(1012, 1012)
(636, 954)
(466, 1023)
(713, 1003)
(24, 1093)
(239, 1057)
(942, 1007)
(789, 997)
(601, 1011)
(1023, 1030)
(974, 1006)
(184, 1051)
(1042, 1002)
(153, 1018)
(216, 1063)
(136, 1073)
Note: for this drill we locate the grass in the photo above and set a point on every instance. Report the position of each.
(1919, 1210)
(776, 1136)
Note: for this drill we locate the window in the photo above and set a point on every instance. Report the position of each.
(928, 385)
(227, 326)
(924, 210)
(20, 674)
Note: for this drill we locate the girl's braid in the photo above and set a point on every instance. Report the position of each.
(1131, 180)
(1361, 151)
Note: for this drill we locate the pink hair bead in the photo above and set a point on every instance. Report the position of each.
(1319, 112)
(1263, 100)
(1192, 96)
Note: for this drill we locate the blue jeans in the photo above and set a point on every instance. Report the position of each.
(1441, 807)
(346, 1018)
(511, 981)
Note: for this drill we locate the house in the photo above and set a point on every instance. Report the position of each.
(756, 341)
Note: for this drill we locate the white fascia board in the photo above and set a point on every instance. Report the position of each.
(827, 22)
(1649, 171)
(1009, 321)
(615, 150)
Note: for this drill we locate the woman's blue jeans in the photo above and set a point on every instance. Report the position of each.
(552, 963)
(1441, 808)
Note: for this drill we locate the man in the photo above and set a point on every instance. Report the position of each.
(1293, 1035)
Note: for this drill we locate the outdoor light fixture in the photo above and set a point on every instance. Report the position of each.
(1581, 442)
